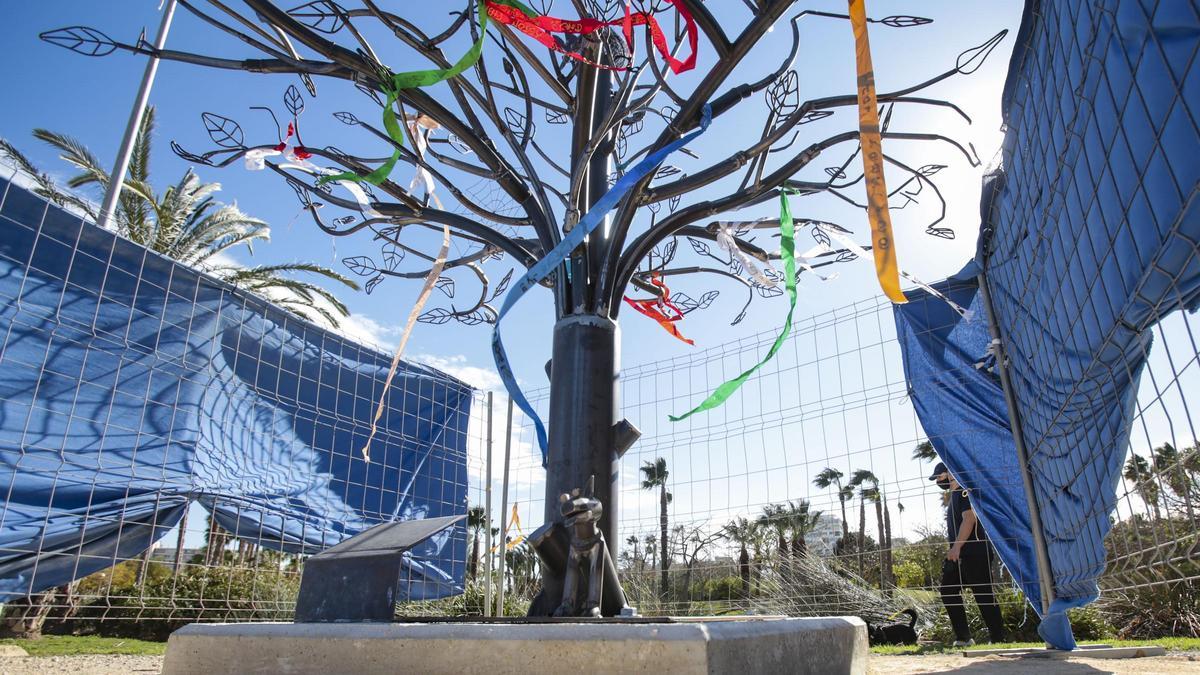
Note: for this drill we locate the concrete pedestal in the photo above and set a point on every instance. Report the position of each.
(821, 645)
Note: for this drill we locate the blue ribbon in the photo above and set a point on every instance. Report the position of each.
(544, 267)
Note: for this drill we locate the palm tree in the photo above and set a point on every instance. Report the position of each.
(186, 223)
(655, 476)
(1137, 471)
(475, 522)
(652, 550)
(741, 531)
(801, 520)
(868, 490)
(637, 559)
(830, 476)
(1177, 469)
(924, 452)
(775, 517)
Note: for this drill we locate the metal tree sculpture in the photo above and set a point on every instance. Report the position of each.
(473, 140)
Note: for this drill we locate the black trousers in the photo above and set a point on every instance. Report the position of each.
(975, 573)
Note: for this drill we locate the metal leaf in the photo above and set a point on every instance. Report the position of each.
(502, 286)
(223, 131)
(473, 319)
(436, 316)
(457, 144)
(699, 246)
(654, 207)
(970, 60)
(345, 118)
(815, 115)
(445, 285)
(904, 21)
(361, 265)
(392, 255)
(738, 319)
(344, 220)
(673, 203)
(768, 291)
(735, 267)
(309, 84)
(556, 117)
(707, 299)
(518, 124)
(301, 193)
(666, 172)
(293, 100)
(930, 169)
(622, 146)
(942, 232)
(669, 250)
(187, 156)
(323, 16)
(845, 256)
(821, 237)
(372, 283)
(81, 40)
(669, 112)
(783, 96)
(835, 172)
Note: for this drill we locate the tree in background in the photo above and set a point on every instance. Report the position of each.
(655, 475)
(475, 523)
(1137, 471)
(774, 518)
(924, 452)
(1178, 471)
(801, 520)
(186, 223)
(831, 477)
(740, 532)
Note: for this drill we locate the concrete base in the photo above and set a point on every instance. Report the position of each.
(822, 645)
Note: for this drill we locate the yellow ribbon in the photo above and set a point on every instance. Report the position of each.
(515, 519)
(882, 243)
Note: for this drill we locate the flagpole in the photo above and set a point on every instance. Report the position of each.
(117, 179)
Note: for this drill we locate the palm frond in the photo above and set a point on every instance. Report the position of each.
(77, 154)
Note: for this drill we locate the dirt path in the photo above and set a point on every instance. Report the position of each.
(1170, 664)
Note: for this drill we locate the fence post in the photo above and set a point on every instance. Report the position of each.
(487, 517)
(1045, 575)
(504, 519)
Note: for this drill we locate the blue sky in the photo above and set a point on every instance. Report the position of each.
(90, 99)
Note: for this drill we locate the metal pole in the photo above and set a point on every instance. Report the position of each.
(487, 517)
(109, 208)
(504, 519)
(1045, 575)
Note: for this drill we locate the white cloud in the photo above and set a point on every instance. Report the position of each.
(486, 379)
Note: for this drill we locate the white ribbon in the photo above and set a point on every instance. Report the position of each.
(726, 241)
(863, 255)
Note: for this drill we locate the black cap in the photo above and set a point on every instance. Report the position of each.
(938, 470)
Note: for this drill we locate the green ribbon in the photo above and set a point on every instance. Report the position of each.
(787, 235)
(412, 80)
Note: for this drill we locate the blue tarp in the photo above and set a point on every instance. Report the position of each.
(960, 403)
(131, 385)
(1089, 237)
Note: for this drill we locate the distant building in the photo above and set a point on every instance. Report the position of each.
(167, 555)
(822, 540)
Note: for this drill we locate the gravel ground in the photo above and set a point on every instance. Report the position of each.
(96, 664)
(1171, 664)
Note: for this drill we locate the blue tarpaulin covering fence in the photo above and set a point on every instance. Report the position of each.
(1090, 236)
(131, 385)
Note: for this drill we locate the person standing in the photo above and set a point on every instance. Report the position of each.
(968, 563)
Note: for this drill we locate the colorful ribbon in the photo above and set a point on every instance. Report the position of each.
(514, 519)
(653, 308)
(430, 280)
(882, 243)
(411, 80)
(546, 266)
(787, 235)
(540, 28)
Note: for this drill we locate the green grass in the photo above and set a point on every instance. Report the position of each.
(1170, 643)
(69, 645)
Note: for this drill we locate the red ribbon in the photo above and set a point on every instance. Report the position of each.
(653, 308)
(299, 152)
(540, 28)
